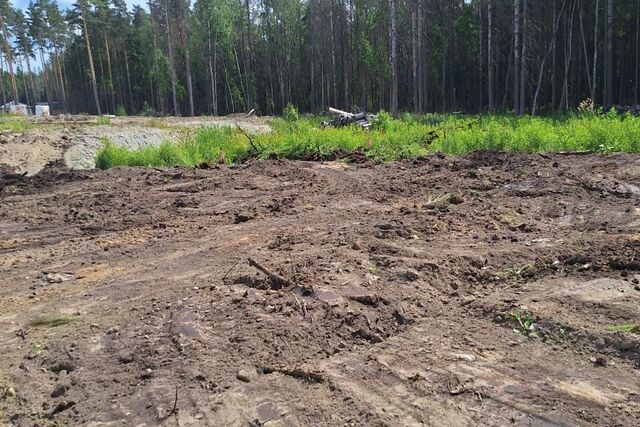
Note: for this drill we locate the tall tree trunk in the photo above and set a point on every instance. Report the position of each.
(637, 76)
(534, 107)
(126, 67)
(92, 68)
(174, 91)
(9, 54)
(517, 51)
(154, 39)
(333, 56)
(31, 82)
(45, 72)
(414, 58)
(421, 61)
(2, 88)
(249, 59)
(57, 63)
(608, 57)
(244, 92)
(480, 58)
(393, 58)
(567, 59)
(111, 89)
(523, 59)
(595, 54)
(490, 66)
(214, 101)
(187, 63)
(584, 46)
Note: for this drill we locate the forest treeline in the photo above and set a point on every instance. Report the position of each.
(225, 56)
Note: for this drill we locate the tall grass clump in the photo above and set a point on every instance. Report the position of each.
(14, 123)
(304, 137)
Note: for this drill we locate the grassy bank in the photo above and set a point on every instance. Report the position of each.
(390, 139)
(14, 123)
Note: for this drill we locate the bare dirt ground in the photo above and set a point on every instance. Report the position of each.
(75, 140)
(390, 294)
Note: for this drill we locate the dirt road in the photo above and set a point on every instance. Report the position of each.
(490, 289)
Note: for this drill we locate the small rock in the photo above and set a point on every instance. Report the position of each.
(59, 390)
(410, 275)
(245, 375)
(240, 218)
(10, 392)
(455, 199)
(464, 356)
(57, 277)
(112, 330)
(599, 361)
(62, 406)
(125, 357)
(62, 365)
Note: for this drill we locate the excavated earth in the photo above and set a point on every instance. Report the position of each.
(491, 289)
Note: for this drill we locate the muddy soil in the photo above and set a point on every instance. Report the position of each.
(489, 290)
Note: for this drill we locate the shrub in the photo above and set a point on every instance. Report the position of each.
(290, 113)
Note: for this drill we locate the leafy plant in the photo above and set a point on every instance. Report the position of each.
(525, 322)
(290, 113)
(104, 120)
(121, 111)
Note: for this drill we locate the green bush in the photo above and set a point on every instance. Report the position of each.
(290, 113)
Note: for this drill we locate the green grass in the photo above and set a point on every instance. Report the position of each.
(625, 327)
(104, 120)
(390, 139)
(14, 123)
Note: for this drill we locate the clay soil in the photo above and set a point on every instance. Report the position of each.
(491, 289)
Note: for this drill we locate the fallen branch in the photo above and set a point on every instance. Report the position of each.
(229, 271)
(303, 308)
(250, 140)
(174, 410)
(299, 373)
(277, 281)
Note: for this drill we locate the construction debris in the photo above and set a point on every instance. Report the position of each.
(344, 118)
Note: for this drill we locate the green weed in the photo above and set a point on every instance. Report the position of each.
(625, 327)
(525, 322)
(104, 120)
(297, 137)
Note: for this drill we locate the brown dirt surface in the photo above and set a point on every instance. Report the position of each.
(489, 289)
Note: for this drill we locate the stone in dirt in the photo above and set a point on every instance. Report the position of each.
(246, 375)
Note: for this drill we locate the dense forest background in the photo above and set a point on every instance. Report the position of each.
(226, 56)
